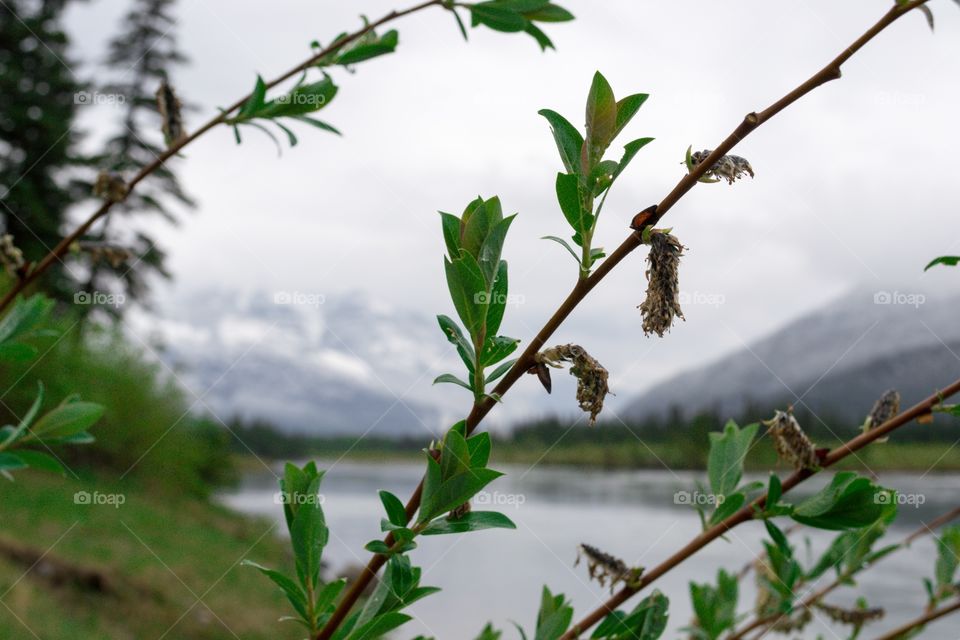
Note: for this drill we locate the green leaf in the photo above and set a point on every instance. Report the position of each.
(564, 243)
(451, 493)
(729, 506)
(468, 291)
(396, 511)
(498, 300)
(554, 617)
(601, 120)
(473, 521)
(727, 452)
(629, 151)
(449, 378)
(255, 102)
(715, 606)
(451, 233)
(647, 621)
(478, 447)
(456, 337)
(568, 139)
(380, 626)
(11, 462)
(41, 461)
(68, 419)
(626, 109)
(550, 13)
(370, 47)
(454, 456)
(295, 595)
(24, 318)
(950, 261)
(496, 17)
(500, 370)
(497, 348)
(571, 204)
(542, 39)
(492, 248)
(848, 502)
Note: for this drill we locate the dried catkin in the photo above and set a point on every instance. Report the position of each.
(98, 251)
(110, 186)
(10, 255)
(662, 303)
(884, 409)
(792, 444)
(855, 617)
(729, 168)
(592, 385)
(605, 568)
(172, 121)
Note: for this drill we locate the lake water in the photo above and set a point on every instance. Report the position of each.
(498, 575)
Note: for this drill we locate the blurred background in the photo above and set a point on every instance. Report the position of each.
(282, 305)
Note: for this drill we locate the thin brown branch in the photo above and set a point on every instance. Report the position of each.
(57, 253)
(901, 632)
(764, 623)
(585, 285)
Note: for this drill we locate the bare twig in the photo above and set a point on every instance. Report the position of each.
(648, 218)
(926, 618)
(63, 246)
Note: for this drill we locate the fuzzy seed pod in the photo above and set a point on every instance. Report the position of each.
(172, 121)
(662, 303)
(792, 444)
(885, 408)
(854, 617)
(604, 567)
(729, 168)
(591, 376)
(10, 255)
(110, 186)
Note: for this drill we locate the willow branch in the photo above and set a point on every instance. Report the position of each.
(63, 246)
(584, 285)
(764, 623)
(901, 632)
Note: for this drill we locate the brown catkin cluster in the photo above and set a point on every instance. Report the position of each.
(110, 186)
(604, 567)
(855, 617)
(885, 408)
(10, 255)
(98, 251)
(662, 303)
(792, 444)
(729, 168)
(172, 121)
(592, 385)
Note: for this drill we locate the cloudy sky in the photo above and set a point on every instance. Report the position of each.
(854, 185)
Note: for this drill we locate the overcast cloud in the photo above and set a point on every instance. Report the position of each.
(854, 187)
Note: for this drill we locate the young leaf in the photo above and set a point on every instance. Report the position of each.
(554, 617)
(473, 521)
(568, 139)
(848, 502)
(601, 121)
(396, 512)
(727, 452)
(68, 419)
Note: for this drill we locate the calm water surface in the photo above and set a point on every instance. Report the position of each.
(498, 575)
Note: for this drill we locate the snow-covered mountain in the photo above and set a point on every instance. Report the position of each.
(835, 361)
(308, 363)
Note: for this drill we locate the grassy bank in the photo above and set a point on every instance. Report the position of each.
(135, 570)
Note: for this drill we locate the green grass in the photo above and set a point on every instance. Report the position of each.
(157, 556)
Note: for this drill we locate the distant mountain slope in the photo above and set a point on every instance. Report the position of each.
(838, 360)
(315, 365)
